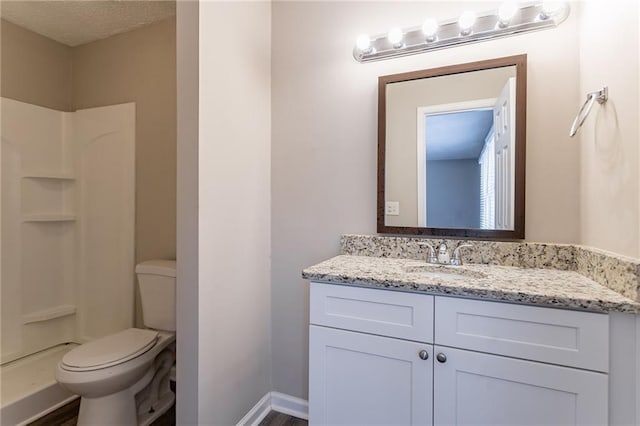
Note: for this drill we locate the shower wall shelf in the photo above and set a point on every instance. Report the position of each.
(45, 175)
(49, 217)
(49, 314)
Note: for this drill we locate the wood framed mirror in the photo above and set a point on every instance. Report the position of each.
(451, 150)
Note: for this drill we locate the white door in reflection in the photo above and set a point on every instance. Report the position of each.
(465, 165)
(504, 118)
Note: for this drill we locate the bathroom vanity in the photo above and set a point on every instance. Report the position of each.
(399, 341)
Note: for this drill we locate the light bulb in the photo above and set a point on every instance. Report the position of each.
(363, 43)
(395, 37)
(429, 29)
(506, 12)
(466, 21)
(550, 8)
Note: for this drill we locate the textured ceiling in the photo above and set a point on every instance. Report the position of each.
(78, 22)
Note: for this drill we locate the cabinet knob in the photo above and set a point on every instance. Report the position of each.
(441, 357)
(423, 354)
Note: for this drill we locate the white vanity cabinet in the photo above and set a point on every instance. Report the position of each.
(371, 357)
(397, 358)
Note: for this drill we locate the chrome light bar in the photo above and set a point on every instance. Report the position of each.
(467, 29)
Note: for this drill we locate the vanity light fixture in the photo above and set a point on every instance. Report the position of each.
(506, 12)
(550, 8)
(430, 29)
(395, 38)
(363, 43)
(511, 18)
(466, 21)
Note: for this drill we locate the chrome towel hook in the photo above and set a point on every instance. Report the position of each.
(601, 96)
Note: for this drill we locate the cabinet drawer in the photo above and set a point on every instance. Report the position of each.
(382, 312)
(571, 338)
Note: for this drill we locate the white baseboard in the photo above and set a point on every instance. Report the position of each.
(258, 412)
(279, 402)
(287, 404)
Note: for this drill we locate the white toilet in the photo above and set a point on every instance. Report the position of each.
(123, 378)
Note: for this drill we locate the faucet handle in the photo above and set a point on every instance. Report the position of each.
(443, 254)
(457, 260)
(431, 258)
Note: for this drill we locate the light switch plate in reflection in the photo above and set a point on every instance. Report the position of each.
(392, 208)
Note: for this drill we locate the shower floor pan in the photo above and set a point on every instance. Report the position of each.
(28, 387)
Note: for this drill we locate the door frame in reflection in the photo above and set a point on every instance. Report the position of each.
(421, 143)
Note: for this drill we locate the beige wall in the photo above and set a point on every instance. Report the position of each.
(403, 99)
(610, 183)
(324, 141)
(35, 69)
(140, 66)
(234, 367)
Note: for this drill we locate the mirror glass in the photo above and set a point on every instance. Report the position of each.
(451, 148)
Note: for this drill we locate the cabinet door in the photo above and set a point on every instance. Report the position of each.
(362, 379)
(472, 388)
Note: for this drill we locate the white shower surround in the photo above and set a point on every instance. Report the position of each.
(68, 187)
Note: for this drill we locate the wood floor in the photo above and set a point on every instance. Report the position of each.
(68, 416)
(278, 419)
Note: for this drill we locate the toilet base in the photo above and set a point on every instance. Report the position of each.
(119, 409)
(140, 404)
(160, 407)
(115, 409)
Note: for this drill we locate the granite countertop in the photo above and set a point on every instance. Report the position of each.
(544, 287)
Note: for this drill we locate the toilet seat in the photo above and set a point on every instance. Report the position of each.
(110, 350)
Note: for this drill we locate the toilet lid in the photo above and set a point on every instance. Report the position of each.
(110, 350)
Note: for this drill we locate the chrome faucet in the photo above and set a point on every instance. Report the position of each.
(457, 260)
(442, 256)
(431, 258)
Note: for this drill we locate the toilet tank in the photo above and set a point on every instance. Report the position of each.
(157, 281)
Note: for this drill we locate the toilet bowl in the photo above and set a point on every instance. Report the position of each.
(123, 378)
